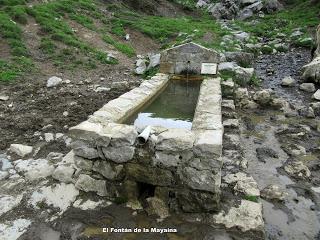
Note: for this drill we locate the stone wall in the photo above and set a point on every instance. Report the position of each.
(189, 56)
(180, 167)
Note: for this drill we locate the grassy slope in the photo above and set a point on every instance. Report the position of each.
(55, 31)
(299, 14)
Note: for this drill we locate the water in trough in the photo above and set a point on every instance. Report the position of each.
(174, 107)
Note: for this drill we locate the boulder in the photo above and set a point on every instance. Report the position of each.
(316, 95)
(141, 66)
(4, 98)
(297, 169)
(83, 149)
(311, 71)
(243, 59)
(263, 97)
(307, 87)
(271, 6)
(288, 82)
(243, 75)
(246, 217)
(273, 192)
(243, 183)
(227, 66)
(53, 82)
(21, 150)
(154, 60)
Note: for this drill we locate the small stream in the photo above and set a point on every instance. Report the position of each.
(295, 218)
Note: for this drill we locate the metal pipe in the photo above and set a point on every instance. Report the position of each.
(143, 137)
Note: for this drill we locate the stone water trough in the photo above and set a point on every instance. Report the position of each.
(182, 167)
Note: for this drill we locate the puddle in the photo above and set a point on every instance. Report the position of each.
(292, 219)
(173, 108)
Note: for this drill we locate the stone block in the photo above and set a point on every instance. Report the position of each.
(205, 180)
(89, 184)
(108, 170)
(171, 159)
(175, 140)
(149, 174)
(119, 154)
(208, 144)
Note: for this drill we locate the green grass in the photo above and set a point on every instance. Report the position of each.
(299, 14)
(10, 70)
(170, 31)
(124, 48)
(251, 198)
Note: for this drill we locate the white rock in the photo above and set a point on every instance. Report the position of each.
(59, 195)
(3, 175)
(48, 137)
(13, 230)
(154, 60)
(307, 87)
(141, 66)
(248, 216)
(34, 169)
(273, 192)
(21, 150)
(288, 81)
(7, 203)
(63, 173)
(316, 95)
(54, 81)
(4, 98)
(244, 184)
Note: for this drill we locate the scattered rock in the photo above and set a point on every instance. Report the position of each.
(248, 216)
(141, 66)
(263, 153)
(273, 192)
(4, 98)
(316, 95)
(154, 60)
(244, 184)
(34, 169)
(21, 150)
(307, 87)
(54, 81)
(297, 169)
(288, 82)
(49, 137)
